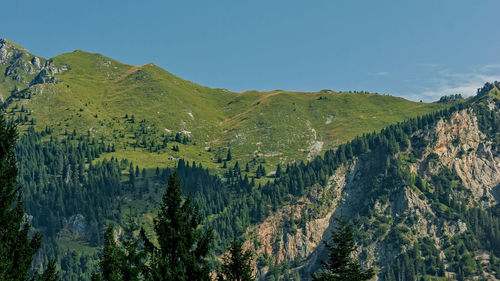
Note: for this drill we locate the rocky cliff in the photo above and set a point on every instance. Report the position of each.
(391, 223)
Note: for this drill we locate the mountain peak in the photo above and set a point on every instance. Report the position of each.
(5, 43)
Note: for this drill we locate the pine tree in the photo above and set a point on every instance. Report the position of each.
(229, 157)
(341, 266)
(111, 259)
(131, 174)
(236, 264)
(182, 245)
(133, 267)
(278, 171)
(50, 273)
(125, 262)
(17, 246)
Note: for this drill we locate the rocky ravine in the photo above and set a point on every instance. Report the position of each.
(294, 234)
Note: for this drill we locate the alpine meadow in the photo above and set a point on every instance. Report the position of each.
(111, 171)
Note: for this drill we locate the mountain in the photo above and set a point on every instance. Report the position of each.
(424, 209)
(93, 94)
(99, 139)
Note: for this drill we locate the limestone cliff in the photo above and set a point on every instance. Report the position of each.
(388, 224)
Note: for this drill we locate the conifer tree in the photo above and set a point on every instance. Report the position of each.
(236, 264)
(126, 262)
(341, 266)
(111, 260)
(278, 171)
(50, 273)
(182, 246)
(133, 267)
(17, 245)
(131, 174)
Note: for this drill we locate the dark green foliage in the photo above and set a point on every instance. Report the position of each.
(59, 184)
(110, 262)
(341, 266)
(278, 171)
(260, 172)
(131, 174)
(182, 246)
(236, 264)
(125, 262)
(17, 244)
(134, 257)
(450, 98)
(17, 247)
(50, 273)
(423, 259)
(53, 193)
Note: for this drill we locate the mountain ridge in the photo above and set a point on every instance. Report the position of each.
(89, 91)
(271, 167)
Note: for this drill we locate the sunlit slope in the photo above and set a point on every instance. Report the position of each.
(291, 125)
(127, 105)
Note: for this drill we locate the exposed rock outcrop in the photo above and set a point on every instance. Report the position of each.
(43, 77)
(457, 144)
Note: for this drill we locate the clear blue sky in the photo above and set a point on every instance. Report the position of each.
(415, 49)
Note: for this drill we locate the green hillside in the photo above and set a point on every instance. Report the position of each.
(135, 108)
(78, 110)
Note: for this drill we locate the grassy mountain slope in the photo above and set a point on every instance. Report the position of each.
(93, 94)
(131, 107)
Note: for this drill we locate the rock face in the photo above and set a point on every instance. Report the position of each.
(4, 53)
(43, 77)
(294, 234)
(25, 69)
(76, 223)
(461, 146)
(36, 62)
(296, 231)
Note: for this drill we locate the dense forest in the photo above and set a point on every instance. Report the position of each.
(178, 251)
(68, 188)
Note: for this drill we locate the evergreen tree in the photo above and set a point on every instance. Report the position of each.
(182, 245)
(236, 264)
(341, 266)
(17, 246)
(131, 174)
(111, 259)
(50, 273)
(278, 171)
(126, 262)
(229, 157)
(133, 267)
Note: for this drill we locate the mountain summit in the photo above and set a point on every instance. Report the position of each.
(93, 94)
